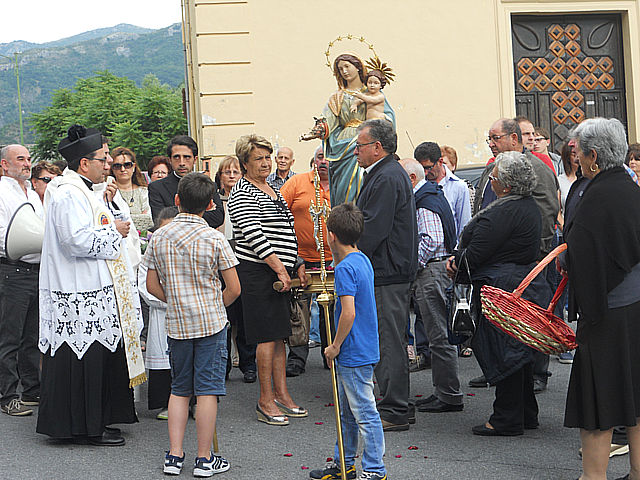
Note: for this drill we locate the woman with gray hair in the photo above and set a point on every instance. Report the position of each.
(603, 264)
(501, 244)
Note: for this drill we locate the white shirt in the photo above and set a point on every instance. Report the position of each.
(11, 197)
(457, 194)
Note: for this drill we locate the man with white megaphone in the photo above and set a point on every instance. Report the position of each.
(19, 356)
(89, 306)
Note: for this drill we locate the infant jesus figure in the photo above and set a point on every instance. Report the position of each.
(373, 97)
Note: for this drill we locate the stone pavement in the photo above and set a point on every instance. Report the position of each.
(446, 447)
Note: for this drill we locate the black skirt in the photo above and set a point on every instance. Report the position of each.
(265, 312)
(79, 398)
(604, 387)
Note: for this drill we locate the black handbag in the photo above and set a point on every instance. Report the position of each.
(460, 325)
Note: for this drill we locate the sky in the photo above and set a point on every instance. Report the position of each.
(48, 20)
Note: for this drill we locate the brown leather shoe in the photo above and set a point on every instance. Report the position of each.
(394, 427)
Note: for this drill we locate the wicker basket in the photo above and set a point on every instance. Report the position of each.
(526, 321)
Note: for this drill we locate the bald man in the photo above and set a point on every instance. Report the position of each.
(19, 313)
(284, 162)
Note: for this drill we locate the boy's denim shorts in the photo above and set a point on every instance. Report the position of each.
(198, 365)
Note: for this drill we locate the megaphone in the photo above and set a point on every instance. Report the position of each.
(24, 233)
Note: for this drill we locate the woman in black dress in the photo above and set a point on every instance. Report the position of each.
(501, 244)
(267, 248)
(603, 263)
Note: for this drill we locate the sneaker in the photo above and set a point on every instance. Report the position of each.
(16, 408)
(30, 401)
(173, 464)
(566, 357)
(163, 415)
(372, 476)
(207, 467)
(332, 470)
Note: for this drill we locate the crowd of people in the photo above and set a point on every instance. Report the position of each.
(92, 315)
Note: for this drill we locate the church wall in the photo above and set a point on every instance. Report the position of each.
(260, 66)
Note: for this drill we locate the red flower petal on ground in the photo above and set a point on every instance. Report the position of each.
(288, 454)
(329, 459)
(329, 405)
(304, 468)
(317, 396)
(413, 447)
(418, 395)
(319, 423)
(471, 394)
(398, 456)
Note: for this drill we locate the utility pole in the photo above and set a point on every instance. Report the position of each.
(15, 62)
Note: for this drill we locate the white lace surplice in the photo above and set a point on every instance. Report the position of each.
(77, 300)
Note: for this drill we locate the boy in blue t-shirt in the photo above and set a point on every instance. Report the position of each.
(354, 348)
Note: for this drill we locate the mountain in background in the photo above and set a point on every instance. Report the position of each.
(22, 46)
(125, 50)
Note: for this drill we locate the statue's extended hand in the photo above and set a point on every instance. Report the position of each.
(319, 130)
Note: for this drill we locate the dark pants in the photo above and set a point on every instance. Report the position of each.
(298, 354)
(19, 323)
(515, 406)
(246, 351)
(421, 341)
(392, 372)
(429, 293)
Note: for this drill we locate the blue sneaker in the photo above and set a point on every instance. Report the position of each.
(173, 464)
(566, 357)
(207, 467)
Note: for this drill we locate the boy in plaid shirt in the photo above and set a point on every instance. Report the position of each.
(184, 258)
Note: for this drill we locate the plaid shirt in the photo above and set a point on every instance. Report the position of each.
(430, 235)
(187, 255)
(276, 182)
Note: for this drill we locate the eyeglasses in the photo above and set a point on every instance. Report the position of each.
(103, 160)
(231, 172)
(44, 179)
(360, 145)
(428, 169)
(159, 173)
(539, 139)
(495, 138)
(120, 166)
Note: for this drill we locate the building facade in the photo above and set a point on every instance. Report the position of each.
(261, 66)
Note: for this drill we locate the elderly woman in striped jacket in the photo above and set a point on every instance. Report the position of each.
(267, 248)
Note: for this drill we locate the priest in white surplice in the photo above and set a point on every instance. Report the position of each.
(89, 308)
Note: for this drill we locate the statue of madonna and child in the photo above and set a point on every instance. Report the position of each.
(358, 98)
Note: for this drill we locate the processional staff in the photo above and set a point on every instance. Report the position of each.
(319, 211)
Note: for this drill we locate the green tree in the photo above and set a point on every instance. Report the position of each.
(140, 118)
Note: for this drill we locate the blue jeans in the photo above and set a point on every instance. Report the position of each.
(359, 414)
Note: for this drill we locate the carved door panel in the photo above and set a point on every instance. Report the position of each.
(568, 68)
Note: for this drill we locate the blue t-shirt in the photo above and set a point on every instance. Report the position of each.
(354, 277)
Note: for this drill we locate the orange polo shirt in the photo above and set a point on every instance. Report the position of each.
(299, 193)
